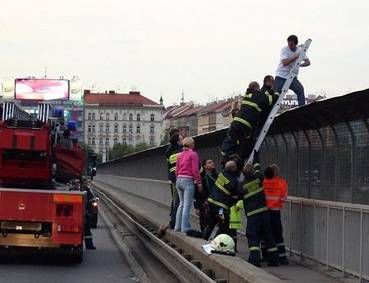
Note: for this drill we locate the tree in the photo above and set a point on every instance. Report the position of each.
(121, 150)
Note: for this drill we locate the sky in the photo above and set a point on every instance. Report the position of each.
(209, 49)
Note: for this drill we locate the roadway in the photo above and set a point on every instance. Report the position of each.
(106, 264)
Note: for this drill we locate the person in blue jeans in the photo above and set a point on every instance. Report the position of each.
(289, 55)
(188, 176)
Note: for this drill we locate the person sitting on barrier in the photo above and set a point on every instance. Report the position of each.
(275, 189)
(209, 175)
(224, 194)
(188, 175)
(171, 153)
(258, 219)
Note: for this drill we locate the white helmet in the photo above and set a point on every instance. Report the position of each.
(223, 243)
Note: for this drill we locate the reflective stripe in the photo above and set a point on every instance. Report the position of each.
(256, 211)
(223, 189)
(88, 237)
(272, 197)
(280, 245)
(252, 104)
(272, 250)
(243, 121)
(173, 158)
(253, 193)
(274, 209)
(254, 249)
(173, 169)
(282, 255)
(217, 203)
(270, 99)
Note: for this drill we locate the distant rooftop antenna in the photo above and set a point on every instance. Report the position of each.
(45, 72)
(182, 97)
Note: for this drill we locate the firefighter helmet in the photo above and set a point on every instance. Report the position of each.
(223, 243)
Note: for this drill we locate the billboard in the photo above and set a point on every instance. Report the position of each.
(41, 89)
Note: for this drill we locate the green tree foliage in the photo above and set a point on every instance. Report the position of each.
(120, 150)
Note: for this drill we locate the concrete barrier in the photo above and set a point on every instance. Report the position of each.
(155, 190)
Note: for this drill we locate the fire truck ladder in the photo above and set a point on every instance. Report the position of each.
(277, 106)
(11, 111)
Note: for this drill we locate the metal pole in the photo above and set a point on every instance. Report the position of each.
(343, 241)
(361, 247)
(327, 243)
(290, 226)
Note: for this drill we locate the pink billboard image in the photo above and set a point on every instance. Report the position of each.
(41, 89)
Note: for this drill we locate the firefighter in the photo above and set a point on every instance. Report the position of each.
(275, 189)
(172, 152)
(268, 93)
(223, 195)
(241, 133)
(90, 198)
(235, 221)
(258, 220)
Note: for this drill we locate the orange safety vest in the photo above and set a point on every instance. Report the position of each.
(275, 192)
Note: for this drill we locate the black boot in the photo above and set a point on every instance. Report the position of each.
(89, 244)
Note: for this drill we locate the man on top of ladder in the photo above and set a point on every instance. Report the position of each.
(289, 55)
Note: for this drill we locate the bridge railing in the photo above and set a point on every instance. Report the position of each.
(331, 233)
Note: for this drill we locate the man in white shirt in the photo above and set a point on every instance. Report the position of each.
(289, 55)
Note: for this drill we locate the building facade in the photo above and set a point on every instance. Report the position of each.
(118, 118)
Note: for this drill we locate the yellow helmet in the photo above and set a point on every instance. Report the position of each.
(223, 243)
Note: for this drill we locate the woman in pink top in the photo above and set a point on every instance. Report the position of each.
(188, 174)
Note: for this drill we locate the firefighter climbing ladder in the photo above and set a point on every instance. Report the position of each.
(277, 106)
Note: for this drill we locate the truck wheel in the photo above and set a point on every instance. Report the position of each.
(76, 256)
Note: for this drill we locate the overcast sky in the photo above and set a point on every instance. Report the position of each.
(208, 48)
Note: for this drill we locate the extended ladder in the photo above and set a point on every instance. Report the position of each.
(277, 106)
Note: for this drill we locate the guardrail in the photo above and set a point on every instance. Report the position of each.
(331, 233)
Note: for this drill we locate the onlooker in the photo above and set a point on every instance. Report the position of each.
(172, 152)
(289, 55)
(209, 175)
(275, 189)
(188, 175)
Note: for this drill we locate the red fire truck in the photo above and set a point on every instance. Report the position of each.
(35, 211)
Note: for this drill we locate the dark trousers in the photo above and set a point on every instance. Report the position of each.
(203, 218)
(258, 228)
(173, 206)
(295, 86)
(212, 220)
(233, 234)
(239, 141)
(277, 230)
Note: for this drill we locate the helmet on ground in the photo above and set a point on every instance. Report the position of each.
(223, 243)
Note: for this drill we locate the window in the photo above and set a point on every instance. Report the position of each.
(89, 141)
(93, 141)
(107, 116)
(138, 130)
(124, 128)
(101, 128)
(152, 129)
(125, 116)
(107, 128)
(93, 116)
(124, 141)
(101, 141)
(89, 116)
(130, 139)
(152, 117)
(115, 141)
(89, 129)
(116, 117)
(107, 141)
(130, 117)
(93, 128)
(116, 128)
(138, 137)
(138, 117)
(152, 140)
(101, 116)
(130, 129)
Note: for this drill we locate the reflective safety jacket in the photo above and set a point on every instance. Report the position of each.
(252, 106)
(254, 197)
(275, 192)
(235, 217)
(171, 154)
(225, 191)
